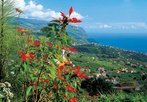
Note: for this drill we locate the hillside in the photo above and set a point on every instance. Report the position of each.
(102, 51)
(96, 50)
(124, 66)
(80, 34)
(76, 32)
(94, 54)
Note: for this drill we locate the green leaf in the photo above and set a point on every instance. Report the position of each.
(43, 38)
(28, 91)
(25, 66)
(52, 72)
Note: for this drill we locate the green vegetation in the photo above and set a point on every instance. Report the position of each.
(36, 68)
(7, 32)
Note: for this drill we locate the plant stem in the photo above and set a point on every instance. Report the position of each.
(38, 82)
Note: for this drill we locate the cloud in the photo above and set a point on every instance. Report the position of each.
(37, 11)
(119, 25)
(105, 26)
(130, 25)
(77, 15)
(20, 4)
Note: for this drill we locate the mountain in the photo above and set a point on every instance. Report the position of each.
(76, 32)
(81, 35)
(33, 24)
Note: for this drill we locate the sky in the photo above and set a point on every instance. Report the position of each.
(98, 16)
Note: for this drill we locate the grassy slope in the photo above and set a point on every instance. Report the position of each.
(94, 56)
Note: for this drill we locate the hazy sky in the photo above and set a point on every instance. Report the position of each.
(103, 16)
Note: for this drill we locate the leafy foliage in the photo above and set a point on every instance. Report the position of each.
(96, 86)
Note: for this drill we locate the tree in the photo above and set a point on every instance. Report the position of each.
(6, 12)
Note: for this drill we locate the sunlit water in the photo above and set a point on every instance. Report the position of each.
(134, 43)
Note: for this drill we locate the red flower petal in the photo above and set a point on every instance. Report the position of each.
(19, 29)
(82, 75)
(61, 78)
(63, 47)
(31, 55)
(70, 11)
(61, 67)
(23, 57)
(71, 89)
(77, 71)
(72, 49)
(72, 69)
(55, 86)
(20, 52)
(36, 43)
(46, 81)
(49, 44)
(74, 20)
(18, 10)
(45, 57)
(24, 30)
(62, 14)
(73, 99)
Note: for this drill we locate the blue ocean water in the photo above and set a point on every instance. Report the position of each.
(134, 43)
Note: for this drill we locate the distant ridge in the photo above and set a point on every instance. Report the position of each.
(76, 32)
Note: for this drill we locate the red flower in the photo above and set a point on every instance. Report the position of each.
(71, 89)
(82, 75)
(66, 70)
(45, 57)
(18, 10)
(62, 14)
(72, 20)
(63, 47)
(26, 56)
(72, 49)
(46, 81)
(55, 86)
(61, 67)
(22, 56)
(49, 44)
(73, 99)
(79, 73)
(58, 71)
(24, 30)
(31, 55)
(61, 78)
(36, 43)
(70, 11)
(72, 69)
(21, 30)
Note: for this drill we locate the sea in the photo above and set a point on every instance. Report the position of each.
(128, 42)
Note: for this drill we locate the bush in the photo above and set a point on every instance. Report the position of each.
(95, 86)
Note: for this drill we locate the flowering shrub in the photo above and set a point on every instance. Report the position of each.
(48, 72)
(5, 92)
